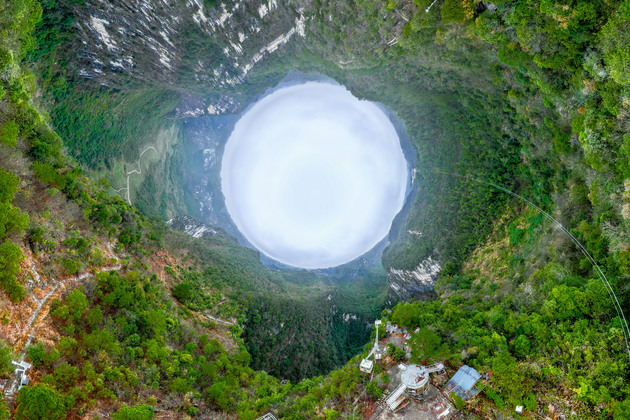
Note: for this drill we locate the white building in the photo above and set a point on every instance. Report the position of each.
(415, 378)
(366, 366)
(20, 371)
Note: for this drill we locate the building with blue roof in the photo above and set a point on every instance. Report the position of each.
(463, 383)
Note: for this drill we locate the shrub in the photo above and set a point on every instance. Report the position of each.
(9, 133)
(39, 402)
(10, 258)
(6, 355)
(182, 292)
(71, 266)
(460, 404)
(138, 412)
(37, 354)
(374, 390)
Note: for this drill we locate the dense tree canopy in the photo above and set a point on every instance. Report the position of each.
(528, 95)
(39, 402)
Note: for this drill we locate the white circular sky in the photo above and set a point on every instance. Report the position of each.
(313, 176)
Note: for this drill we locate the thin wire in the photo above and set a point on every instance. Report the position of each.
(600, 273)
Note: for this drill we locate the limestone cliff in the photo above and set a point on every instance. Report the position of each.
(180, 43)
(413, 284)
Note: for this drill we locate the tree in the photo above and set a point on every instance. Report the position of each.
(9, 133)
(332, 414)
(458, 401)
(615, 41)
(157, 320)
(453, 11)
(6, 58)
(396, 352)
(182, 292)
(10, 258)
(219, 395)
(77, 303)
(425, 344)
(8, 185)
(508, 377)
(374, 390)
(94, 317)
(71, 266)
(38, 354)
(6, 355)
(39, 402)
(11, 219)
(5, 414)
(66, 375)
(621, 410)
(138, 412)
(399, 354)
(180, 385)
(522, 346)
(406, 315)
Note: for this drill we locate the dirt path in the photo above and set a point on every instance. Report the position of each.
(14, 382)
(222, 321)
(138, 171)
(134, 171)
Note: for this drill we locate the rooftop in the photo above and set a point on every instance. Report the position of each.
(414, 376)
(463, 381)
(366, 365)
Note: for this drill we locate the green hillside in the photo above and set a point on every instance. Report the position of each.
(122, 316)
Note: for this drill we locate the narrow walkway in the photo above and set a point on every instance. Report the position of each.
(13, 383)
(222, 321)
(135, 171)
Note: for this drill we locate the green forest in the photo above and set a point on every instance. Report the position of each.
(121, 316)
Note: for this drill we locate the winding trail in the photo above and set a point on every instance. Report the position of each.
(62, 282)
(27, 338)
(222, 321)
(429, 8)
(135, 171)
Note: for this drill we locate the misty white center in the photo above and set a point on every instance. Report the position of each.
(313, 176)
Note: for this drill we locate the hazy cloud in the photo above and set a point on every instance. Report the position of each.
(312, 176)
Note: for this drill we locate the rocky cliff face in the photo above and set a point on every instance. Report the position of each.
(204, 50)
(209, 45)
(192, 226)
(413, 284)
(180, 43)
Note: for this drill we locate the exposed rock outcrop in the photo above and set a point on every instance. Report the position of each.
(191, 226)
(413, 284)
(177, 43)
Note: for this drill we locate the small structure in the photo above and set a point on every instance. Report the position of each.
(463, 383)
(397, 399)
(437, 367)
(366, 364)
(415, 378)
(267, 416)
(20, 372)
(519, 409)
(401, 403)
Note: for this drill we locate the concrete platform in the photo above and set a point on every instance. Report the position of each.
(432, 406)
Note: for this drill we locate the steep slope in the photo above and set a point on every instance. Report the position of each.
(531, 96)
(86, 282)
